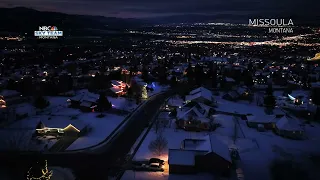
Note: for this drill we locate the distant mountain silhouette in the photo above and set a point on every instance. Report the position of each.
(22, 20)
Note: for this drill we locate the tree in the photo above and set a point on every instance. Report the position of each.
(103, 103)
(173, 81)
(198, 74)
(159, 145)
(269, 90)
(130, 92)
(158, 126)
(270, 101)
(40, 102)
(17, 141)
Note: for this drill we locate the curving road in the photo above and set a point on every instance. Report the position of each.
(110, 157)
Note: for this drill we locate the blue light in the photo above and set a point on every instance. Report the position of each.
(153, 85)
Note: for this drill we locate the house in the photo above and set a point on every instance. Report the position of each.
(241, 92)
(206, 154)
(164, 118)
(268, 122)
(115, 91)
(289, 127)
(84, 102)
(195, 110)
(61, 129)
(200, 94)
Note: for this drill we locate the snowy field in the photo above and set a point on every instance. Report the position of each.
(131, 175)
(256, 149)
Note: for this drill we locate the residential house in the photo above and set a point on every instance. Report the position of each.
(60, 129)
(206, 154)
(241, 92)
(201, 95)
(84, 102)
(196, 110)
(268, 122)
(289, 127)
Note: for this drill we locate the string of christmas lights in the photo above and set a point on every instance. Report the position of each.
(46, 174)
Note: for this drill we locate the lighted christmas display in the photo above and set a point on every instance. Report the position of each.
(39, 172)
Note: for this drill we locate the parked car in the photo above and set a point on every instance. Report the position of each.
(139, 166)
(156, 160)
(154, 167)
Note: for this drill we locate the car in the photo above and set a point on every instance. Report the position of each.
(139, 166)
(154, 167)
(156, 160)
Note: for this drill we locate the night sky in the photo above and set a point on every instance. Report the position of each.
(152, 8)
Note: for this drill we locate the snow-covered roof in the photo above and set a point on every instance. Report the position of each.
(86, 103)
(199, 92)
(288, 124)
(9, 93)
(62, 123)
(182, 157)
(219, 148)
(115, 89)
(262, 119)
(230, 79)
(115, 82)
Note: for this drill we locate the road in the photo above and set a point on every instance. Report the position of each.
(110, 157)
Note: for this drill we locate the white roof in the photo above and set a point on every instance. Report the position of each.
(288, 124)
(115, 82)
(219, 148)
(86, 103)
(199, 92)
(115, 89)
(262, 119)
(230, 79)
(9, 93)
(182, 157)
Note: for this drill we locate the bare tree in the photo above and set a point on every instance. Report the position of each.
(235, 133)
(158, 126)
(18, 140)
(158, 145)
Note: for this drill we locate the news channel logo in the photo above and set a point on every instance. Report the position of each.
(48, 32)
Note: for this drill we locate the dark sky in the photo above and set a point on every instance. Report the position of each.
(150, 8)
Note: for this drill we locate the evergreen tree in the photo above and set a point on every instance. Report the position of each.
(190, 74)
(40, 102)
(173, 81)
(199, 74)
(103, 103)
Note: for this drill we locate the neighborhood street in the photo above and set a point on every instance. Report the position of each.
(111, 156)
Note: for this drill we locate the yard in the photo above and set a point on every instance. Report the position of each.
(58, 115)
(256, 149)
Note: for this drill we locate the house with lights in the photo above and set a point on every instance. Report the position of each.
(84, 102)
(118, 88)
(61, 129)
(205, 154)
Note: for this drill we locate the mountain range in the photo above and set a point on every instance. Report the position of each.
(21, 19)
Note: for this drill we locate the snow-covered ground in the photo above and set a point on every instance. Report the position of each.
(59, 173)
(59, 115)
(238, 107)
(131, 175)
(256, 149)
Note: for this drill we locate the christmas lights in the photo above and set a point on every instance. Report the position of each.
(46, 174)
